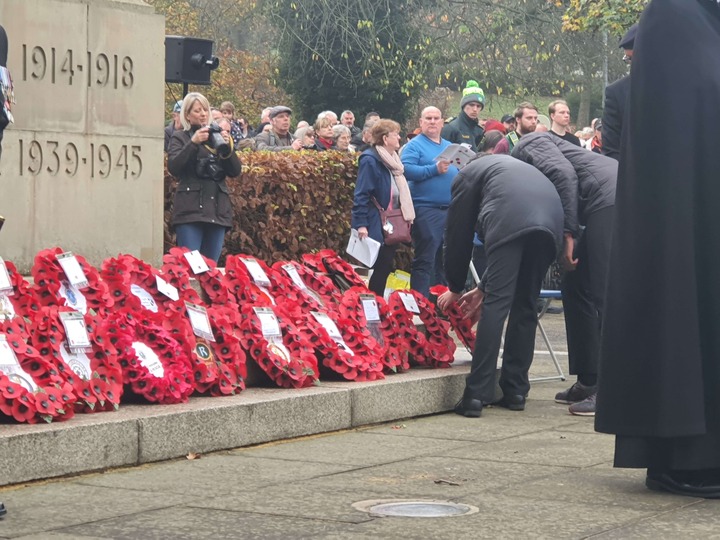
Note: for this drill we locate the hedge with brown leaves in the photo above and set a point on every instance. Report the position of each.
(286, 204)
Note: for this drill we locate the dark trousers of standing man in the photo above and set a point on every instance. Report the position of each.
(515, 271)
(583, 296)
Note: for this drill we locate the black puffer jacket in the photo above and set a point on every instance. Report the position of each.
(507, 199)
(584, 180)
(463, 130)
(200, 199)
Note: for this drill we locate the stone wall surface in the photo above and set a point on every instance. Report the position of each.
(82, 167)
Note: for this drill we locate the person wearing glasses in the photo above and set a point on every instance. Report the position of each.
(307, 136)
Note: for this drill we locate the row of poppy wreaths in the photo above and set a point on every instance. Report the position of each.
(79, 339)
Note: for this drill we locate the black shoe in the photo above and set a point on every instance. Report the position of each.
(469, 407)
(576, 393)
(704, 484)
(512, 402)
(3, 510)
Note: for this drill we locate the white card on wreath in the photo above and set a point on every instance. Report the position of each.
(257, 274)
(6, 286)
(292, 271)
(149, 359)
(269, 324)
(146, 299)
(166, 288)
(74, 272)
(75, 330)
(409, 302)
(10, 366)
(370, 307)
(196, 262)
(200, 321)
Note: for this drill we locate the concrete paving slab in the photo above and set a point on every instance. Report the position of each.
(352, 448)
(293, 499)
(52, 506)
(183, 523)
(552, 447)
(695, 519)
(217, 474)
(603, 486)
(434, 477)
(59, 536)
(492, 426)
(501, 517)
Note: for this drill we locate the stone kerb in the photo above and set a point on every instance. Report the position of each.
(82, 167)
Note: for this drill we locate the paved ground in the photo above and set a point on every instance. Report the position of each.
(541, 473)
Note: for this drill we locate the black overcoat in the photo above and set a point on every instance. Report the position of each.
(660, 359)
(501, 198)
(616, 96)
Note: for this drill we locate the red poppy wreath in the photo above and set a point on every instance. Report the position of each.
(179, 271)
(58, 283)
(154, 365)
(463, 328)
(31, 390)
(288, 359)
(93, 371)
(435, 347)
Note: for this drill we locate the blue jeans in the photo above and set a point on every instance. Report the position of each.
(427, 234)
(207, 238)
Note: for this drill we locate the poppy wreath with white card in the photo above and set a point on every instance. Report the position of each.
(19, 302)
(463, 328)
(432, 348)
(289, 359)
(243, 286)
(382, 334)
(133, 284)
(94, 372)
(179, 270)
(31, 389)
(54, 288)
(329, 262)
(155, 366)
(316, 293)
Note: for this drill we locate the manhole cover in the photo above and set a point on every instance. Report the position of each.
(415, 509)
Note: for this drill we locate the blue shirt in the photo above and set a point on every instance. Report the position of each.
(428, 188)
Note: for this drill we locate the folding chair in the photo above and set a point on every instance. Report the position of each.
(545, 294)
(549, 295)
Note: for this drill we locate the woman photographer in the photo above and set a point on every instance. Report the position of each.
(381, 177)
(201, 156)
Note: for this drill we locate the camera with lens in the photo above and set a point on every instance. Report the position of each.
(216, 141)
(209, 168)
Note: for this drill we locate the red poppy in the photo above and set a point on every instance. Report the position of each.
(178, 269)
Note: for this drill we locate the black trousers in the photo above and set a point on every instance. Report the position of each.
(583, 293)
(381, 269)
(514, 276)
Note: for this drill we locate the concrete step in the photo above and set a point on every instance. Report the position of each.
(144, 433)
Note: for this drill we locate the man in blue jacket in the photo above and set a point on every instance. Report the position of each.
(430, 182)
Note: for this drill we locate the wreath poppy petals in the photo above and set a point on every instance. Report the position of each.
(154, 365)
(434, 348)
(82, 369)
(37, 392)
(463, 328)
(292, 365)
(382, 336)
(212, 283)
(329, 262)
(50, 279)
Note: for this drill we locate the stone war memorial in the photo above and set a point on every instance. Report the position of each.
(82, 166)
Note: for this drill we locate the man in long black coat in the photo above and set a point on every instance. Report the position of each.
(660, 363)
(520, 220)
(616, 96)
